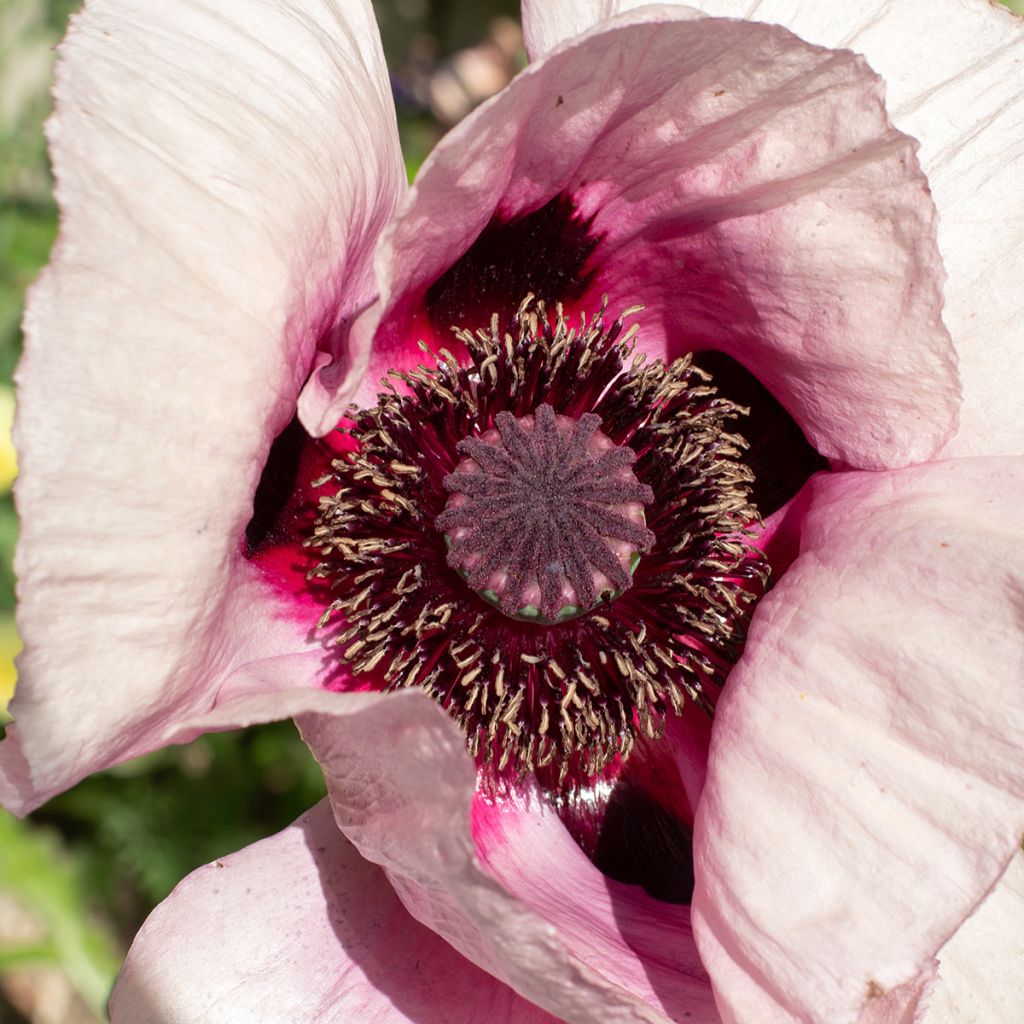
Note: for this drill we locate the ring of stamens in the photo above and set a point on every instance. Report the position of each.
(572, 693)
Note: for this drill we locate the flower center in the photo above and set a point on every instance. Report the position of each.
(537, 468)
(545, 518)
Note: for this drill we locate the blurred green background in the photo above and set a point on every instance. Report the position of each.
(79, 878)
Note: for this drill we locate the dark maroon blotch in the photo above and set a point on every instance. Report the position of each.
(642, 843)
(543, 252)
(276, 489)
(781, 458)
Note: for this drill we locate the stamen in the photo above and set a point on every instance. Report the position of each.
(535, 470)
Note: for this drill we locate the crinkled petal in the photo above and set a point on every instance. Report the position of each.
(865, 778)
(299, 927)
(223, 171)
(641, 944)
(744, 186)
(952, 73)
(904, 1004)
(402, 786)
(546, 23)
(981, 980)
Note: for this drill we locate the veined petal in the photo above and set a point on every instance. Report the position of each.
(402, 787)
(742, 185)
(952, 74)
(299, 927)
(864, 784)
(980, 977)
(635, 941)
(547, 23)
(223, 171)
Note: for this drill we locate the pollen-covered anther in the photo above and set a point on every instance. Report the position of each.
(545, 518)
(547, 470)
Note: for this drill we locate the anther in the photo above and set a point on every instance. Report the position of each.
(562, 479)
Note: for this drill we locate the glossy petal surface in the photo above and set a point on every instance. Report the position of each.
(219, 205)
(864, 787)
(952, 70)
(299, 927)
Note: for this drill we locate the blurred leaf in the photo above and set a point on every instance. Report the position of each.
(58, 13)
(19, 956)
(8, 538)
(36, 871)
(26, 236)
(137, 829)
(26, 61)
(418, 135)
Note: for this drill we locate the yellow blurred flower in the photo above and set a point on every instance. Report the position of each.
(10, 645)
(8, 458)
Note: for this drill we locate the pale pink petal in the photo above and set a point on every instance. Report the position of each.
(744, 186)
(981, 968)
(546, 23)
(904, 1004)
(403, 789)
(865, 779)
(643, 945)
(952, 74)
(223, 171)
(300, 928)
(956, 87)
(635, 941)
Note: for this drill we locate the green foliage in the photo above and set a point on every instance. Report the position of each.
(418, 135)
(136, 830)
(91, 865)
(50, 887)
(27, 231)
(8, 537)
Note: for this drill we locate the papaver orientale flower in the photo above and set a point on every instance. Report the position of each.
(238, 245)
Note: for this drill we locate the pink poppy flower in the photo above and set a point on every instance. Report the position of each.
(237, 243)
